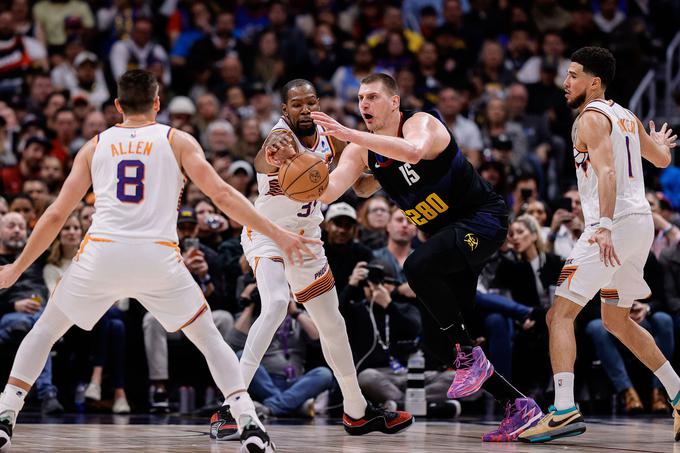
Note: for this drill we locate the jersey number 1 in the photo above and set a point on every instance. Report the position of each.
(130, 188)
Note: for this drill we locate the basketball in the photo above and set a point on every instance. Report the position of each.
(304, 177)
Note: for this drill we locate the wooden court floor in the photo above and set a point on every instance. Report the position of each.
(603, 435)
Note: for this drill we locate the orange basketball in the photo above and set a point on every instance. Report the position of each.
(304, 177)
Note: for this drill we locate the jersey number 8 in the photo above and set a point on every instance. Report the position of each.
(130, 187)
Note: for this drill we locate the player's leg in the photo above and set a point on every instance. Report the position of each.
(274, 296)
(28, 363)
(360, 417)
(224, 367)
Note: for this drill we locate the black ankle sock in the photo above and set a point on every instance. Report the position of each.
(501, 389)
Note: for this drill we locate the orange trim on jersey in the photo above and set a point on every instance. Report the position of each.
(172, 245)
(320, 286)
(134, 127)
(567, 273)
(200, 311)
(249, 233)
(257, 263)
(171, 134)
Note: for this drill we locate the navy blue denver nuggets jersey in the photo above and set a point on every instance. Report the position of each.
(436, 193)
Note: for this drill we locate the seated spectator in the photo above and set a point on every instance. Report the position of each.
(250, 140)
(140, 51)
(53, 18)
(539, 211)
(22, 304)
(666, 234)
(220, 138)
(23, 204)
(107, 334)
(553, 48)
(524, 192)
(202, 263)
(32, 155)
(496, 123)
(281, 382)
(465, 131)
(89, 80)
(37, 190)
(342, 249)
(528, 272)
(373, 217)
(239, 174)
(211, 225)
(566, 226)
(651, 314)
(347, 79)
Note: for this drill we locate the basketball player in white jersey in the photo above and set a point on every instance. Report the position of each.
(609, 144)
(312, 283)
(131, 250)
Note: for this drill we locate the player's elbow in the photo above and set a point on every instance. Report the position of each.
(414, 154)
(221, 196)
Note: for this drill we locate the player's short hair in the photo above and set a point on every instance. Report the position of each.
(387, 81)
(596, 61)
(294, 84)
(137, 90)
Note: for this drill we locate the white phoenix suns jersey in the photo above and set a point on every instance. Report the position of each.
(137, 183)
(630, 185)
(273, 204)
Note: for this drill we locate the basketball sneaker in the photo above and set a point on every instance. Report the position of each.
(519, 416)
(6, 424)
(676, 416)
(223, 426)
(377, 419)
(472, 370)
(159, 402)
(254, 439)
(554, 425)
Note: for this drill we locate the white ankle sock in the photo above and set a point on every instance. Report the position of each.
(564, 391)
(12, 400)
(669, 378)
(240, 405)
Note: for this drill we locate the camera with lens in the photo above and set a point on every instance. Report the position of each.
(376, 274)
(254, 297)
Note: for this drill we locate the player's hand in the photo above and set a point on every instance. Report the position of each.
(8, 275)
(359, 274)
(664, 136)
(29, 306)
(279, 148)
(332, 127)
(295, 246)
(603, 238)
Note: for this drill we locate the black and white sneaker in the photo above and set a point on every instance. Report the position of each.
(5, 433)
(223, 426)
(253, 438)
(159, 401)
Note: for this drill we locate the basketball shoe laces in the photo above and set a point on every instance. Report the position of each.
(510, 412)
(464, 363)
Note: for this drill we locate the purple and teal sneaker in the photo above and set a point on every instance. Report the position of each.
(472, 370)
(519, 417)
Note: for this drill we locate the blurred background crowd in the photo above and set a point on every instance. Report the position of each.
(493, 69)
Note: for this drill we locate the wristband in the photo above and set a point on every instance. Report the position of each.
(606, 223)
(666, 230)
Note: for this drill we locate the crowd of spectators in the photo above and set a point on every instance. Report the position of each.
(493, 70)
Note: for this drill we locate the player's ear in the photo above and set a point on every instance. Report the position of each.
(117, 105)
(396, 100)
(284, 110)
(157, 104)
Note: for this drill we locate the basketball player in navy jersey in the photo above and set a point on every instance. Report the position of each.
(417, 162)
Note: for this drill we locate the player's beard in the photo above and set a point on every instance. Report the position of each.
(305, 132)
(577, 101)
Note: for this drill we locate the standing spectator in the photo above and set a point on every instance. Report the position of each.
(21, 305)
(139, 51)
(497, 123)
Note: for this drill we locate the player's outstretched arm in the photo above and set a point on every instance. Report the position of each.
(594, 131)
(349, 169)
(231, 201)
(424, 137)
(51, 222)
(656, 146)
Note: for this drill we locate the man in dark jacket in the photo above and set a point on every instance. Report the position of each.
(22, 304)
